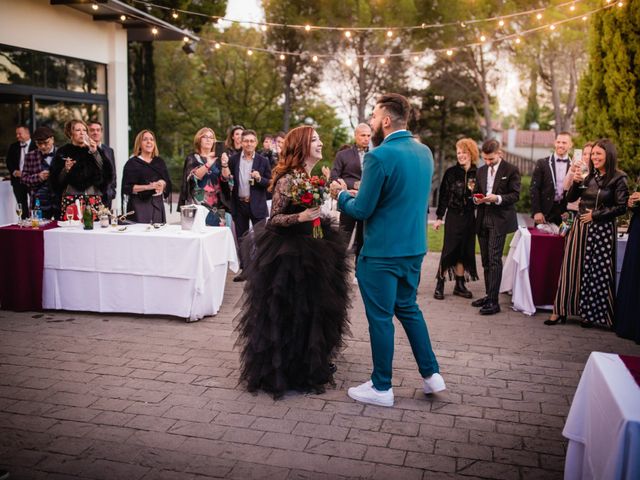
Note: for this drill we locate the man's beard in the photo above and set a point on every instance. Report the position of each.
(377, 136)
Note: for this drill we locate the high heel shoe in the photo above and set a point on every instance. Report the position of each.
(561, 319)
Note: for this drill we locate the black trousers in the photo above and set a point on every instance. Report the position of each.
(20, 192)
(491, 247)
(241, 219)
(347, 224)
(555, 215)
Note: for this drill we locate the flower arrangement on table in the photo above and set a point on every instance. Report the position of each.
(309, 192)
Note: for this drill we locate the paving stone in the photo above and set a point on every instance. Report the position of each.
(336, 449)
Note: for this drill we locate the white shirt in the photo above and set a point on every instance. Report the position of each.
(491, 177)
(23, 151)
(244, 172)
(560, 173)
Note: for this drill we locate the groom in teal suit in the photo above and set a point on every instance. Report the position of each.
(392, 201)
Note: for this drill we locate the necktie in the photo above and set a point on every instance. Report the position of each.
(492, 170)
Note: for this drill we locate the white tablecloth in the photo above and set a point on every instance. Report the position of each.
(603, 426)
(7, 204)
(141, 270)
(515, 273)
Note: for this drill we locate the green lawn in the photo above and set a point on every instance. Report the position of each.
(435, 240)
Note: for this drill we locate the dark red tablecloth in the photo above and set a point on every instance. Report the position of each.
(545, 261)
(22, 267)
(633, 365)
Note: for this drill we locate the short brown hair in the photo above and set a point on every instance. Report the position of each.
(564, 132)
(68, 127)
(471, 147)
(248, 132)
(197, 139)
(396, 106)
(491, 146)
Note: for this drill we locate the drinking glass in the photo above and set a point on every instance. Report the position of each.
(19, 213)
(471, 183)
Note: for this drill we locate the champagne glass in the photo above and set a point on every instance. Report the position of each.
(471, 183)
(19, 213)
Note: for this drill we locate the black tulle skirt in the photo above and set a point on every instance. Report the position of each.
(294, 313)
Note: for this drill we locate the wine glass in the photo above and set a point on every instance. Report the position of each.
(19, 213)
(471, 183)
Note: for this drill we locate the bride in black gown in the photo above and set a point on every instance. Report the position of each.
(297, 293)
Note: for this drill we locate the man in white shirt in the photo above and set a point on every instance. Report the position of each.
(547, 192)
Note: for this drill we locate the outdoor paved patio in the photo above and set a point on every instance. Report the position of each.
(128, 397)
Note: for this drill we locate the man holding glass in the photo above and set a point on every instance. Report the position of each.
(547, 191)
(35, 173)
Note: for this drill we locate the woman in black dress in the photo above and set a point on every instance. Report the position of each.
(201, 176)
(296, 295)
(628, 298)
(458, 252)
(145, 179)
(79, 171)
(603, 196)
(233, 142)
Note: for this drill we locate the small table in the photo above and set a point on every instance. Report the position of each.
(532, 269)
(21, 267)
(165, 271)
(603, 426)
(7, 204)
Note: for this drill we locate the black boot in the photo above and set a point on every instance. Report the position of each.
(438, 294)
(460, 289)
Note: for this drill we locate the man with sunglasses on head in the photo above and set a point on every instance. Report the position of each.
(35, 174)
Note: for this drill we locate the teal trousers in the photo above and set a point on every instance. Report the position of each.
(389, 287)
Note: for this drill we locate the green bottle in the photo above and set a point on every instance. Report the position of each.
(87, 216)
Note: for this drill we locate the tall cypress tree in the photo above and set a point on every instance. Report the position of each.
(609, 96)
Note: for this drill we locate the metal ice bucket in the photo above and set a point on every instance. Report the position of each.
(187, 216)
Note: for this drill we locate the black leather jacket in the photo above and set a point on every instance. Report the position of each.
(607, 199)
(454, 192)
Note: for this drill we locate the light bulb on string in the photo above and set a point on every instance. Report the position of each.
(282, 56)
(174, 14)
(501, 23)
(572, 7)
(620, 4)
(539, 16)
(123, 18)
(94, 6)
(263, 28)
(382, 61)
(518, 41)
(314, 58)
(552, 27)
(416, 58)
(250, 52)
(348, 62)
(449, 52)
(217, 46)
(389, 33)
(483, 38)
(154, 30)
(185, 39)
(584, 18)
(347, 34)
(307, 28)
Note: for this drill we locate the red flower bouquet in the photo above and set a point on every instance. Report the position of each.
(309, 192)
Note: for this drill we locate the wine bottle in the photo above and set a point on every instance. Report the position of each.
(87, 216)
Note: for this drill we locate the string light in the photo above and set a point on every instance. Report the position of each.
(282, 56)
(382, 60)
(307, 28)
(483, 38)
(584, 18)
(621, 4)
(572, 7)
(123, 17)
(94, 6)
(518, 40)
(347, 34)
(389, 33)
(449, 52)
(501, 23)
(217, 46)
(416, 58)
(314, 58)
(185, 39)
(348, 62)
(539, 16)
(174, 14)
(263, 28)
(154, 30)
(249, 52)
(552, 27)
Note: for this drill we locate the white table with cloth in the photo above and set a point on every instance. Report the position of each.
(515, 273)
(7, 204)
(603, 426)
(165, 271)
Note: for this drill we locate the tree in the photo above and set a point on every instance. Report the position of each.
(142, 73)
(532, 114)
(609, 95)
(299, 74)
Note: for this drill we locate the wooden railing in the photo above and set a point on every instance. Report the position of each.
(524, 164)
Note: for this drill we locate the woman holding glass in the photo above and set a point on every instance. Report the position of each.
(568, 293)
(201, 177)
(233, 142)
(79, 171)
(458, 252)
(628, 299)
(603, 195)
(145, 179)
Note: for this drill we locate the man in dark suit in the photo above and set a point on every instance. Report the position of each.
(348, 167)
(548, 201)
(96, 133)
(252, 174)
(15, 164)
(496, 193)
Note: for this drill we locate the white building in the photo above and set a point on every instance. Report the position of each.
(64, 59)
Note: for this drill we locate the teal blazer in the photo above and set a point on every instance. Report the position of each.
(393, 197)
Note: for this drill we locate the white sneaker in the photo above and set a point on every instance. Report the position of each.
(365, 393)
(434, 384)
